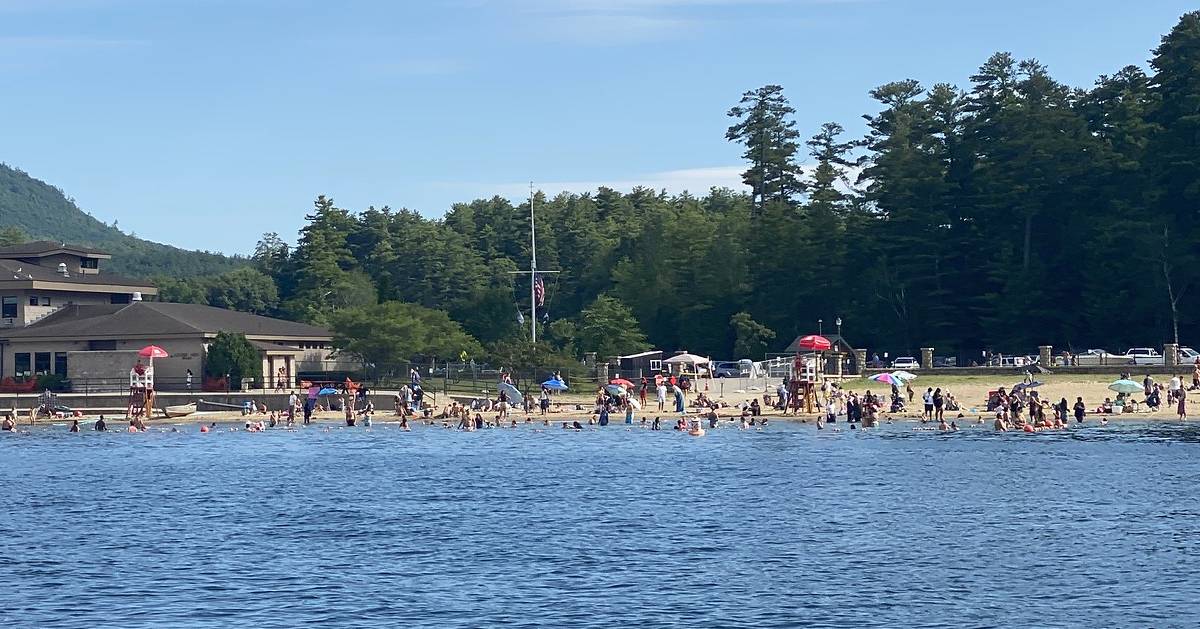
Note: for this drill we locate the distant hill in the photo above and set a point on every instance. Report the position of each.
(43, 212)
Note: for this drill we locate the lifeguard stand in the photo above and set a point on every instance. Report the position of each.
(141, 390)
(803, 386)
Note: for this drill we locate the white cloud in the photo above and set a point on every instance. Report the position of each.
(697, 181)
(623, 21)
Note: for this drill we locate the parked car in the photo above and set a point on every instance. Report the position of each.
(1187, 354)
(906, 362)
(1093, 357)
(727, 369)
(945, 361)
(1144, 356)
(1009, 361)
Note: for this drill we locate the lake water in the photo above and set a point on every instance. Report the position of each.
(1098, 526)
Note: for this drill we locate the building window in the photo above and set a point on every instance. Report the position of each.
(41, 363)
(45, 301)
(60, 363)
(120, 298)
(21, 364)
(89, 263)
(8, 307)
(656, 365)
(33, 300)
(102, 346)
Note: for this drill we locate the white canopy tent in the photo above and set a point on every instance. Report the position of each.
(687, 359)
(690, 364)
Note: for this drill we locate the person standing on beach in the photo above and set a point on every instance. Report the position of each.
(928, 399)
(938, 402)
(293, 402)
(642, 391)
(1079, 408)
(662, 396)
(1182, 405)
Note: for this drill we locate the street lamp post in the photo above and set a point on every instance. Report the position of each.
(838, 322)
(820, 331)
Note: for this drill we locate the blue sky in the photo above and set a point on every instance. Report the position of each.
(204, 123)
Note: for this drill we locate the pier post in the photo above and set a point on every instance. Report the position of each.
(926, 358)
(860, 361)
(1044, 357)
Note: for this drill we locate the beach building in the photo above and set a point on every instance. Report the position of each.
(62, 315)
(840, 349)
(39, 278)
(641, 364)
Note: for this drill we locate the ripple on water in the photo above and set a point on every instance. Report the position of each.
(602, 528)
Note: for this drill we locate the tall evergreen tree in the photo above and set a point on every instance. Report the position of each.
(765, 127)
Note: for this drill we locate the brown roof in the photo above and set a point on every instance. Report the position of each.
(39, 248)
(144, 318)
(17, 271)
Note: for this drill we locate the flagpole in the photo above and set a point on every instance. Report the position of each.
(532, 270)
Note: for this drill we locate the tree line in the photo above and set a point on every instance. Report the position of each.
(1010, 212)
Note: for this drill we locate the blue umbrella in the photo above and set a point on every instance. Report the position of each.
(327, 391)
(555, 385)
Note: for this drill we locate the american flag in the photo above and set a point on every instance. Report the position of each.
(539, 290)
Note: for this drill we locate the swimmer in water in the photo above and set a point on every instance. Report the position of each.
(578, 426)
(8, 425)
(100, 426)
(74, 425)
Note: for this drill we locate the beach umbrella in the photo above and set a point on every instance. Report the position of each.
(327, 391)
(904, 375)
(815, 343)
(621, 382)
(153, 351)
(555, 385)
(1126, 386)
(615, 389)
(886, 378)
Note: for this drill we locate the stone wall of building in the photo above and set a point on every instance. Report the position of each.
(100, 370)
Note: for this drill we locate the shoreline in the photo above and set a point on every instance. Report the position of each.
(223, 418)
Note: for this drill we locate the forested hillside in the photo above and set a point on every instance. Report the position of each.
(38, 211)
(1005, 213)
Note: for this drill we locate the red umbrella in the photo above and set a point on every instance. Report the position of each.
(153, 351)
(815, 343)
(621, 381)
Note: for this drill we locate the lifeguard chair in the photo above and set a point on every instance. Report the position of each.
(141, 383)
(803, 386)
(141, 390)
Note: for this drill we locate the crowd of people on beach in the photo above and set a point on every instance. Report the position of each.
(1020, 407)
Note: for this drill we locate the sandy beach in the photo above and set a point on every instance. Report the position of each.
(971, 391)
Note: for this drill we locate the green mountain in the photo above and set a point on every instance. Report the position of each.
(42, 212)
